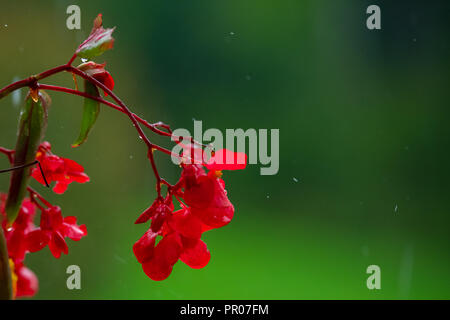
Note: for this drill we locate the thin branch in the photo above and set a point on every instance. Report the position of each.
(114, 106)
(31, 81)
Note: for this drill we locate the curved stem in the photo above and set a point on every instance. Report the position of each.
(127, 111)
(151, 126)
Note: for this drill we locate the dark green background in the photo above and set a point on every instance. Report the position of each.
(363, 118)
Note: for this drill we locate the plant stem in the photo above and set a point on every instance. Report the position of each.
(127, 111)
(151, 126)
(31, 81)
(6, 292)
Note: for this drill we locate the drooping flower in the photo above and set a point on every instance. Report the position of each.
(206, 206)
(53, 231)
(16, 233)
(62, 170)
(180, 241)
(25, 282)
(205, 194)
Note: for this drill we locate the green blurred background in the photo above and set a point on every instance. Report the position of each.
(363, 118)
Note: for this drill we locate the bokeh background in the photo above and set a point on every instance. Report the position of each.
(364, 142)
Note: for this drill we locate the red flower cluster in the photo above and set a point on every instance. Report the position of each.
(63, 171)
(206, 206)
(24, 237)
(25, 282)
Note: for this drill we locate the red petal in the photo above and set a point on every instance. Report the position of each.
(184, 222)
(157, 271)
(60, 187)
(144, 248)
(201, 194)
(27, 282)
(37, 240)
(72, 166)
(80, 177)
(72, 230)
(196, 256)
(168, 250)
(148, 213)
(225, 159)
(57, 245)
(219, 212)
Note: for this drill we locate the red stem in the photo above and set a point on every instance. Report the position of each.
(31, 81)
(151, 126)
(130, 115)
(34, 193)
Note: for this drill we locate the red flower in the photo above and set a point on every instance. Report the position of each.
(63, 171)
(26, 282)
(98, 72)
(53, 229)
(22, 226)
(208, 207)
(158, 212)
(179, 242)
(206, 195)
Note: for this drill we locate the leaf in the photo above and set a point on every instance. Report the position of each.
(91, 110)
(98, 41)
(32, 127)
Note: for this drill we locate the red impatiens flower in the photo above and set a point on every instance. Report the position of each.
(206, 206)
(53, 229)
(207, 197)
(25, 282)
(16, 234)
(181, 241)
(63, 171)
(98, 72)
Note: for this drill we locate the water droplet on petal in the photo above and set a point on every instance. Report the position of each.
(295, 179)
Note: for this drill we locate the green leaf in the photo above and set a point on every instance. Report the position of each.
(32, 127)
(91, 110)
(98, 41)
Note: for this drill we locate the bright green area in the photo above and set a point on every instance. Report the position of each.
(363, 118)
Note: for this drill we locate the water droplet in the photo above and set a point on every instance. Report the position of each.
(231, 33)
(267, 196)
(6, 26)
(396, 208)
(295, 179)
(131, 156)
(248, 77)
(84, 60)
